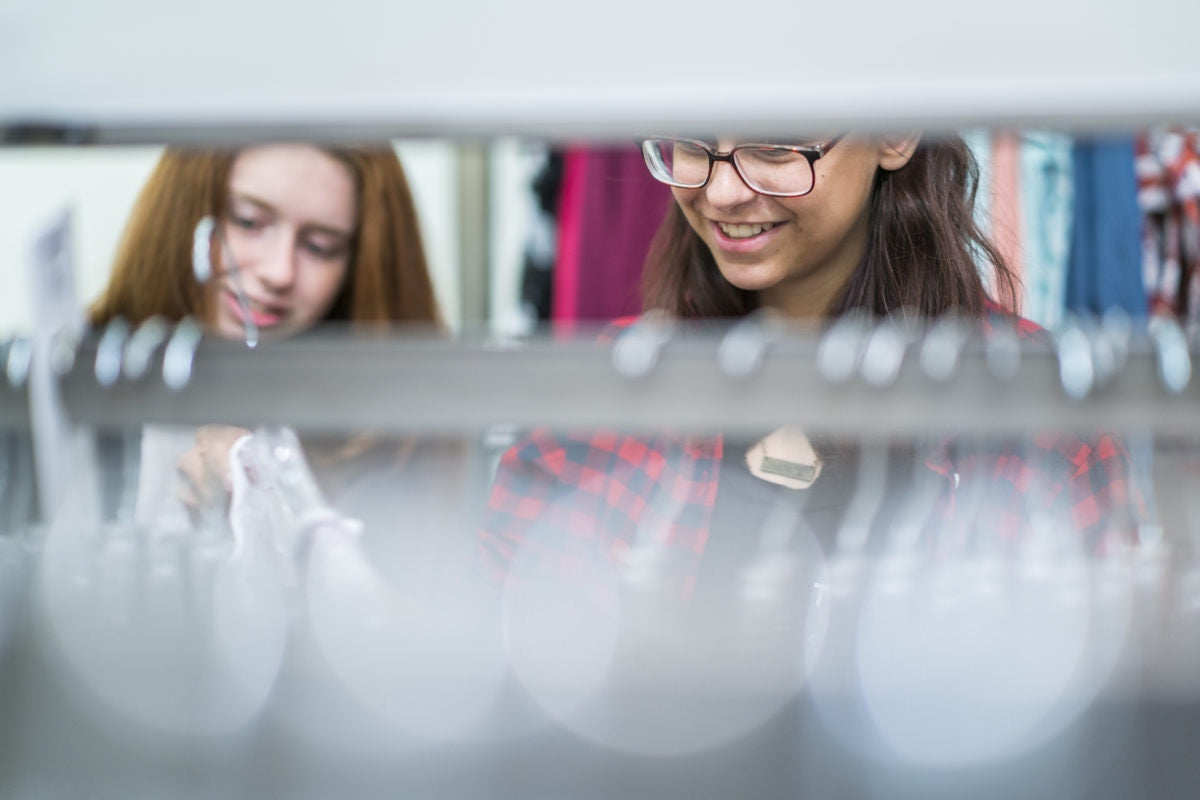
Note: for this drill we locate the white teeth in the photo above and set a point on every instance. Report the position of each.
(745, 231)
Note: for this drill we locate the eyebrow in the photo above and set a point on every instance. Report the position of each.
(264, 205)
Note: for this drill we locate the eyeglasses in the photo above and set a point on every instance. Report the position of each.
(776, 170)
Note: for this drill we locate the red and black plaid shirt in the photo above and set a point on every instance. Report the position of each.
(613, 490)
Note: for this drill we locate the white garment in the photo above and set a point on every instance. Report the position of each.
(257, 509)
(158, 506)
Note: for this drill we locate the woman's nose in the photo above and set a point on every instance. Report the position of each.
(726, 189)
(275, 266)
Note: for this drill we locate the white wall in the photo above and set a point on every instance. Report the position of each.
(431, 169)
(99, 184)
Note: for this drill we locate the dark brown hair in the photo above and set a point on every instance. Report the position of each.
(922, 252)
(387, 279)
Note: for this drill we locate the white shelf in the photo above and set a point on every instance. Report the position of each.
(130, 71)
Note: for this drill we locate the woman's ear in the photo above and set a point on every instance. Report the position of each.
(895, 150)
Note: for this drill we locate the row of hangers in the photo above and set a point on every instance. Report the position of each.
(1078, 372)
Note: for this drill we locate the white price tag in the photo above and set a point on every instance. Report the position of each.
(57, 319)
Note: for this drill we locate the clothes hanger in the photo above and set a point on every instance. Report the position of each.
(18, 505)
(162, 627)
(17, 488)
(209, 236)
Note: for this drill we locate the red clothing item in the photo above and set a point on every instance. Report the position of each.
(618, 491)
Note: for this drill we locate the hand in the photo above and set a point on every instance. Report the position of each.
(204, 472)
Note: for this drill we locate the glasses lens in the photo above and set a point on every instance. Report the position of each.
(775, 170)
(677, 161)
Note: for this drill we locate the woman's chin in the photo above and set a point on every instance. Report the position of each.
(750, 279)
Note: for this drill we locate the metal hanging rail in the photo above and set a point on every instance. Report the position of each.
(857, 378)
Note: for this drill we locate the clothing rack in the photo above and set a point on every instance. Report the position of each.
(859, 377)
(15, 355)
(147, 623)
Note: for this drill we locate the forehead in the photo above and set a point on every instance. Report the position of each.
(296, 180)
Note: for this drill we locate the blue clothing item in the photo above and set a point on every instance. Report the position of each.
(1106, 246)
(979, 140)
(1047, 196)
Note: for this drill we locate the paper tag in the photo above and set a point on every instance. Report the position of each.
(57, 318)
(785, 457)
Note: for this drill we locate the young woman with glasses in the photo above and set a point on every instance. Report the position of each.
(847, 222)
(810, 230)
(671, 593)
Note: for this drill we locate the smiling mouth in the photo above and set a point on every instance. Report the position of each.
(263, 317)
(745, 230)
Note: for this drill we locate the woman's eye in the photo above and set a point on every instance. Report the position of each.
(689, 150)
(772, 154)
(324, 251)
(247, 223)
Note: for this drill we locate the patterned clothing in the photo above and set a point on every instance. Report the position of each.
(561, 496)
(1168, 173)
(1047, 198)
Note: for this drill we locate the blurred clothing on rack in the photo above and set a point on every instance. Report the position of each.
(607, 210)
(1168, 172)
(1064, 212)
(1005, 199)
(541, 240)
(1105, 265)
(1047, 198)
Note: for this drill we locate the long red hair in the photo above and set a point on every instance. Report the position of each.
(387, 280)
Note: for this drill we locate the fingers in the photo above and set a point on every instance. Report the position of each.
(214, 443)
(197, 488)
(204, 475)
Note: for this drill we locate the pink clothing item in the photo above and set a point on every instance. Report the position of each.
(1006, 198)
(565, 304)
(609, 210)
